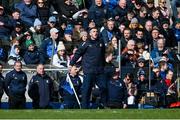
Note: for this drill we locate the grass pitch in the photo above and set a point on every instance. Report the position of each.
(91, 114)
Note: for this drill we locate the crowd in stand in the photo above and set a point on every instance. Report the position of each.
(104, 38)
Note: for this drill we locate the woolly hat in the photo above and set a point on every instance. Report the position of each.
(28, 43)
(61, 46)
(37, 22)
(134, 21)
(83, 33)
(69, 32)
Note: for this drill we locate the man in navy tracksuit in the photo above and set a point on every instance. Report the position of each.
(41, 88)
(15, 86)
(92, 52)
(67, 93)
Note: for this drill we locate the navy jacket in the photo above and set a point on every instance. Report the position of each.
(117, 91)
(28, 13)
(40, 90)
(15, 83)
(65, 90)
(34, 57)
(93, 59)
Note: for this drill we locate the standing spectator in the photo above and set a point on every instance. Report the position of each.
(16, 17)
(1, 83)
(40, 89)
(66, 92)
(32, 55)
(155, 36)
(98, 12)
(142, 16)
(28, 12)
(155, 18)
(49, 46)
(15, 86)
(93, 64)
(125, 38)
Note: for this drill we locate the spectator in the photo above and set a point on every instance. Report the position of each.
(68, 9)
(92, 53)
(65, 89)
(139, 37)
(126, 20)
(155, 36)
(157, 53)
(147, 33)
(15, 56)
(76, 31)
(168, 34)
(32, 55)
(142, 52)
(51, 24)
(43, 11)
(121, 10)
(150, 6)
(49, 46)
(142, 16)
(155, 18)
(28, 12)
(18, 30)
(131, 90)
(60, 59)
(15, 86)
(38, 35)
(98, 12)
(137, 6)
(108, 31)
(164, 12)
(40, 89)
(83, 36)
(177, 30)
(134, 25)
(16, 17)
(125, 38)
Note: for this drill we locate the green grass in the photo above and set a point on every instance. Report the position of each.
(91, 114)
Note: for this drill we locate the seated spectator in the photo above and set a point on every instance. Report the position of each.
(142, 16)
(149, 6)
(49, 45)
(52, 22)
(139, 36)
(60, 59)
(155, 36)
(167, 32)
(158, 52)
(142, 52)
(134, 25)
(16, 18)
(126, 20)
(137, 6)
(177, 30)
(155, 17)
(43, 11)
(15, 56)
(164, 12)
(108, 31)
(98, 12)
(125, 38)
(18, 30)
(32, 55)
(28, 12)
(38, 35)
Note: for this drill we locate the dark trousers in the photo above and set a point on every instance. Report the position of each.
(89, 81)
(17, 102)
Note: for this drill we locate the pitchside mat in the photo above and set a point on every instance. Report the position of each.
(92, 114)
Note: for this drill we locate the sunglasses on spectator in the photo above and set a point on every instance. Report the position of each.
(150, 2)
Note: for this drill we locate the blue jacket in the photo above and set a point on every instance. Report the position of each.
(107, 35)
(34, 57)
(117, 91)
(93, 56)
(40, 90)
(15, 83)
(5, 30)
(28, 13)
(177, 34)
(47, 48)
(156, 55)
(111, 4)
